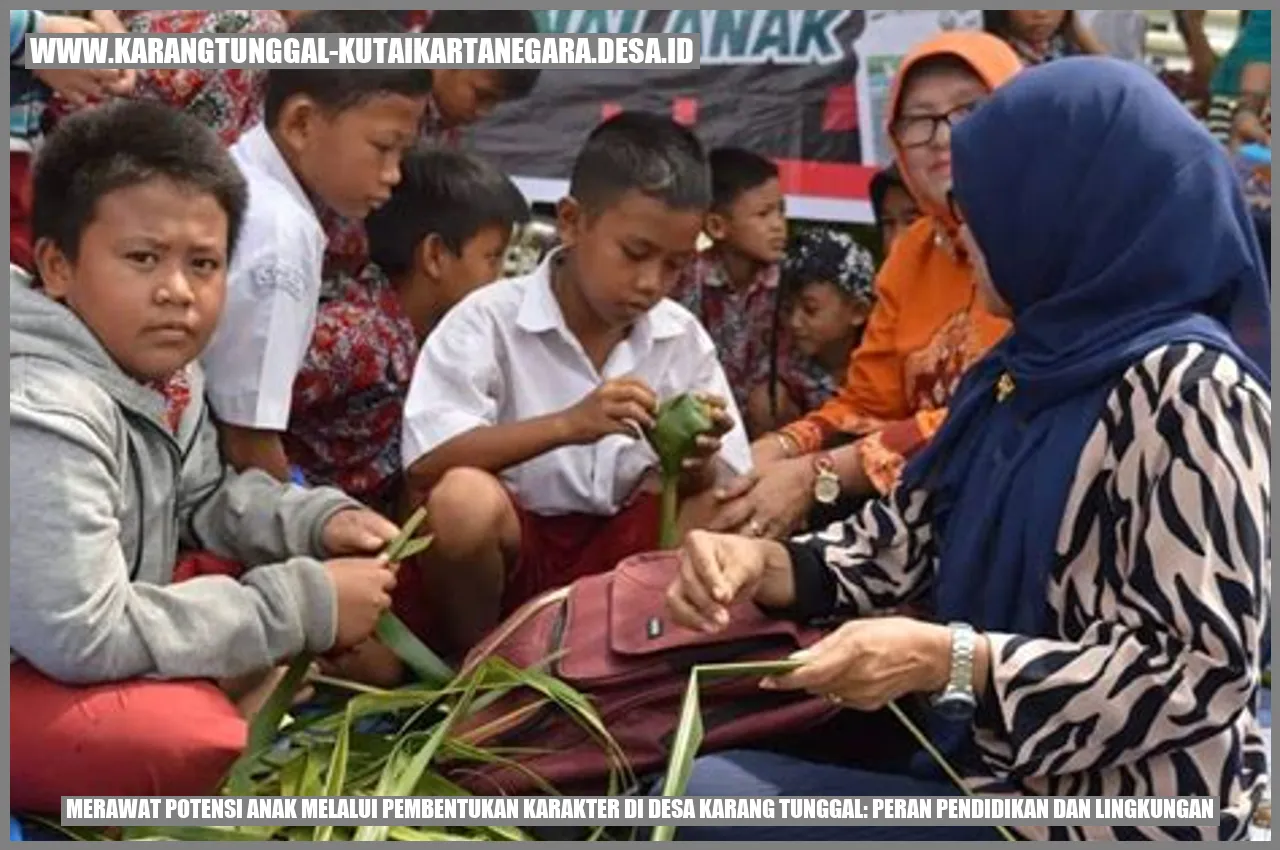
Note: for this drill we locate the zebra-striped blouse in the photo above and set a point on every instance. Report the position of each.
(1159, 601)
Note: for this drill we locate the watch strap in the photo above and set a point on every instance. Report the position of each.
(963, 643)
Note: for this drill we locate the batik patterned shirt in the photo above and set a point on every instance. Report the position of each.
(348, 398)
(227, 100)
(740, 320)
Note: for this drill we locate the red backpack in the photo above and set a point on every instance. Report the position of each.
(613, 641)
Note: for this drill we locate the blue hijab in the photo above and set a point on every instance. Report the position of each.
(1112, 224)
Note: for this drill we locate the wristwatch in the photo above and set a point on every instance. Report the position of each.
(826, 486)
(957, 701)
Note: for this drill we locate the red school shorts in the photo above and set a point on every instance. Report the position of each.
(557, 550)
(554, 551)
(134, 738)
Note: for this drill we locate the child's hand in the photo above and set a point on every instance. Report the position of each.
(699, 466)
(362, 588)
(721, 422)
(80, 85)
(357, 531)
(123, 84)
(108, 20)
(369, 662)
(616, 407)
(250, 693)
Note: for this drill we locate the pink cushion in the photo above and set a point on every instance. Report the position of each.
(134, 738)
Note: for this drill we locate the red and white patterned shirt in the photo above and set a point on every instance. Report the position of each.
(348, 398)
(742, 323)
(228, 100)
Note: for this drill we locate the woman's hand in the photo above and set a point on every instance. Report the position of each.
(717, 570)
(770, 449)
(866, 664)
(776, 505)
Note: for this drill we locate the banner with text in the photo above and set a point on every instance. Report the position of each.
(633, 811)
(805, 87)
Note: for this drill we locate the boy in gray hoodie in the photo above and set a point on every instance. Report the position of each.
(115, 468)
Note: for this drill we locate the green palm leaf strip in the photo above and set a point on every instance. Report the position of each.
(923, 740)
(680, 421)
(266, 724)
(689, 733)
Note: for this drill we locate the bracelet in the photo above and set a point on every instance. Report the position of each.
(790, 447)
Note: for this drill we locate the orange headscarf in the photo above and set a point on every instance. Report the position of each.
(990, 58)
(927, 326)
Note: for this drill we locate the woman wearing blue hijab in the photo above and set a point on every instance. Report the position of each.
(1091, 529)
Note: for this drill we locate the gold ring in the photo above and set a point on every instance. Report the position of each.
(835, 699)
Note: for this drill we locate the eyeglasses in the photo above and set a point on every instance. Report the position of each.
(916, 131)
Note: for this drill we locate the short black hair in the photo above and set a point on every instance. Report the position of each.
(828, 255)
(516, 82)
(645, 152)
(447, 192)
(339, 89)
(737, 170)
(122, 144)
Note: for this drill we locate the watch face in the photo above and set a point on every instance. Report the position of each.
(827, 489)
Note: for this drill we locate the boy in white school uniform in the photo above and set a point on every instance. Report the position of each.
(333, 136)
(520, 423)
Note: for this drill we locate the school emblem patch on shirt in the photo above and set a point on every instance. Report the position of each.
(267, 280)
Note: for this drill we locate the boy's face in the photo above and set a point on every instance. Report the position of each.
(628, 255)
(150, 278)
(824, 319)
(478, 264)
(351, 159)
(464, 96)
(754, 225)
(899, 212)
(1036, 25)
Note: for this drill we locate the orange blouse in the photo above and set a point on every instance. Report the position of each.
(928, 326)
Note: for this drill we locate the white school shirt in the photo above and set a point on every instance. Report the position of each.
(273, 288)
(504, 354)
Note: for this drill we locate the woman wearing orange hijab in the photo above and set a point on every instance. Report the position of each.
(927, 327)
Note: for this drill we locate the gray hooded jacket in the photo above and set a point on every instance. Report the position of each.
(101, 497)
